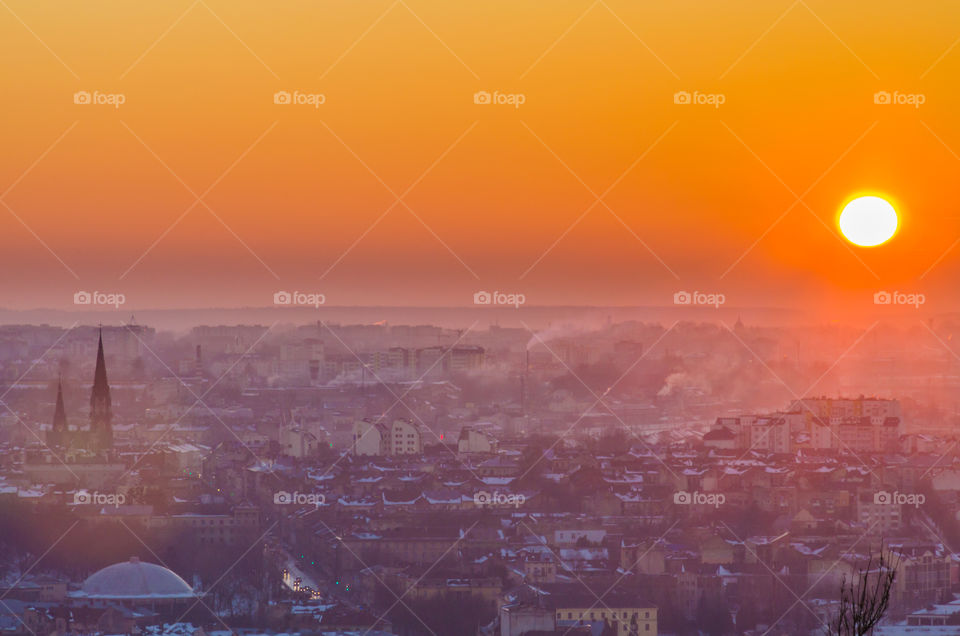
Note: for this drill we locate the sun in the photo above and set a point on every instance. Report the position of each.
(868, 221)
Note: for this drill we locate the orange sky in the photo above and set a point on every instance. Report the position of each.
(598, 80)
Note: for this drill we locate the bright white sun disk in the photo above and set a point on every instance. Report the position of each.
(868, 221)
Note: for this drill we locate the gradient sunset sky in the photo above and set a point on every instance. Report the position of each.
(692, 197)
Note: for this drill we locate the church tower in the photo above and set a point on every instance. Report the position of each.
(58, 434)
(101, 413)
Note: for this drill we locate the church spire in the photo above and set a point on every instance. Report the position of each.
(60, 413)
(101, 412)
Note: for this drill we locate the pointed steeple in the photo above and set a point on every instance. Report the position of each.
(100, 404)
(100, 385)
(60, 413)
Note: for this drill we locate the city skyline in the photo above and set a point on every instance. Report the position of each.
(510, 318)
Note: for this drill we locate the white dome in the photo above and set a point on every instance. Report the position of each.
(135, 579)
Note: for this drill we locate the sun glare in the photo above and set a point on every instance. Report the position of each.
(868, 221)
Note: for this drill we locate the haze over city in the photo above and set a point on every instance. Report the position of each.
(409, 317)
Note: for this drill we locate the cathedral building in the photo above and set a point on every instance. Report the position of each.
(99, 436)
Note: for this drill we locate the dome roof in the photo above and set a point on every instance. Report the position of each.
(135, 579)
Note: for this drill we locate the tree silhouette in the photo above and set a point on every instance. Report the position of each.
(865, 598)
